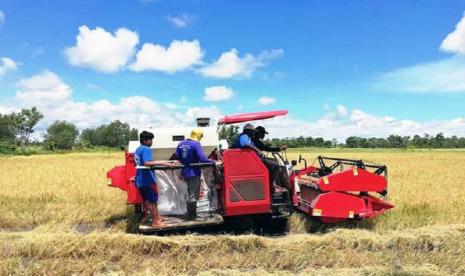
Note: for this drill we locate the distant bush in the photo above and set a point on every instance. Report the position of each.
(60, 135)
(7, 148)
(113, 135)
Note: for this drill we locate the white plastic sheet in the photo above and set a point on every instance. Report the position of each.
(173, 192)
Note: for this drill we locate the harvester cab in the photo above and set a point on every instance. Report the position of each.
(237, 186)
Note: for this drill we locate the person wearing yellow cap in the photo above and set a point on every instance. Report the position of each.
(189, 151)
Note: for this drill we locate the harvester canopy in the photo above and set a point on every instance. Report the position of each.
(252, 116)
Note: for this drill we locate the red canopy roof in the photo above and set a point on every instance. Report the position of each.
(246, 117)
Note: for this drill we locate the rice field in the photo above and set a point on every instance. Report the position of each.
(58, 217)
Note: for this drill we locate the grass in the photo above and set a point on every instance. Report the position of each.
(100, 252)
(58, 217)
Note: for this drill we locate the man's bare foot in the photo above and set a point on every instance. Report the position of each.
(278, 188)
(158, 223)
(160, 218)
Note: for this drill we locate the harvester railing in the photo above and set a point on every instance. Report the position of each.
(379, 169)
(177, 167)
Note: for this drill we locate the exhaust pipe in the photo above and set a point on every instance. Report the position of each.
(203, 122)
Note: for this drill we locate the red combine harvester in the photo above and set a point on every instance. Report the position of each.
(237, 186)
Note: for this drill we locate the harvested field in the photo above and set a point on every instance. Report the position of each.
(58, 217)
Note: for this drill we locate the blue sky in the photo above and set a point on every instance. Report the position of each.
(340, 67)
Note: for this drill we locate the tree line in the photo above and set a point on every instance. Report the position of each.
(417, 141)
(392, 141)
(17, 128)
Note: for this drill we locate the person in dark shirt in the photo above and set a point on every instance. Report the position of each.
(260, 133)
(189, 151)
(282, 179)
(246, 140)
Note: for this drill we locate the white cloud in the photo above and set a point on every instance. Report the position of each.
(7, 109)
(443, 76)
(193, 113)
(180, 55)
(171, 105)
(7, 65)
(455, 41)
(101, 50)
(109, 52)
(180, 21)
(359, 123)
(342, 110)
(45, 89)
(53, 97)
(230, 65)
(218, 93)
(2, 18)
(265, 100)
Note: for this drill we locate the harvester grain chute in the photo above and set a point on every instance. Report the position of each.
(237, 185)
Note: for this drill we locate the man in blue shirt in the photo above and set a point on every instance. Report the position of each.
(245, 140)
(145, 177)
(189, 151)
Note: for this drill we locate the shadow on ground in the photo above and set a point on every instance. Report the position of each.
(247, 225)
(131, 219)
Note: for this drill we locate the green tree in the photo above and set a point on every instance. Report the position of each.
(395, 141)
(229, 133)
(7, 128)
(24, 123)
(418, 141)
(439, 141)
(114, 134)
(356, 142)
(88, 137)
(61, 135)
(7, 133)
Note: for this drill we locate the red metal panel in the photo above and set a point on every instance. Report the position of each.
(134, 196)
(243, 162)
(333, 207)
(375, 207)
(246, 117)
(123, 177)
(242, 165)
(352, 180)
(117, 178)
(304, 171)
(339, 205)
